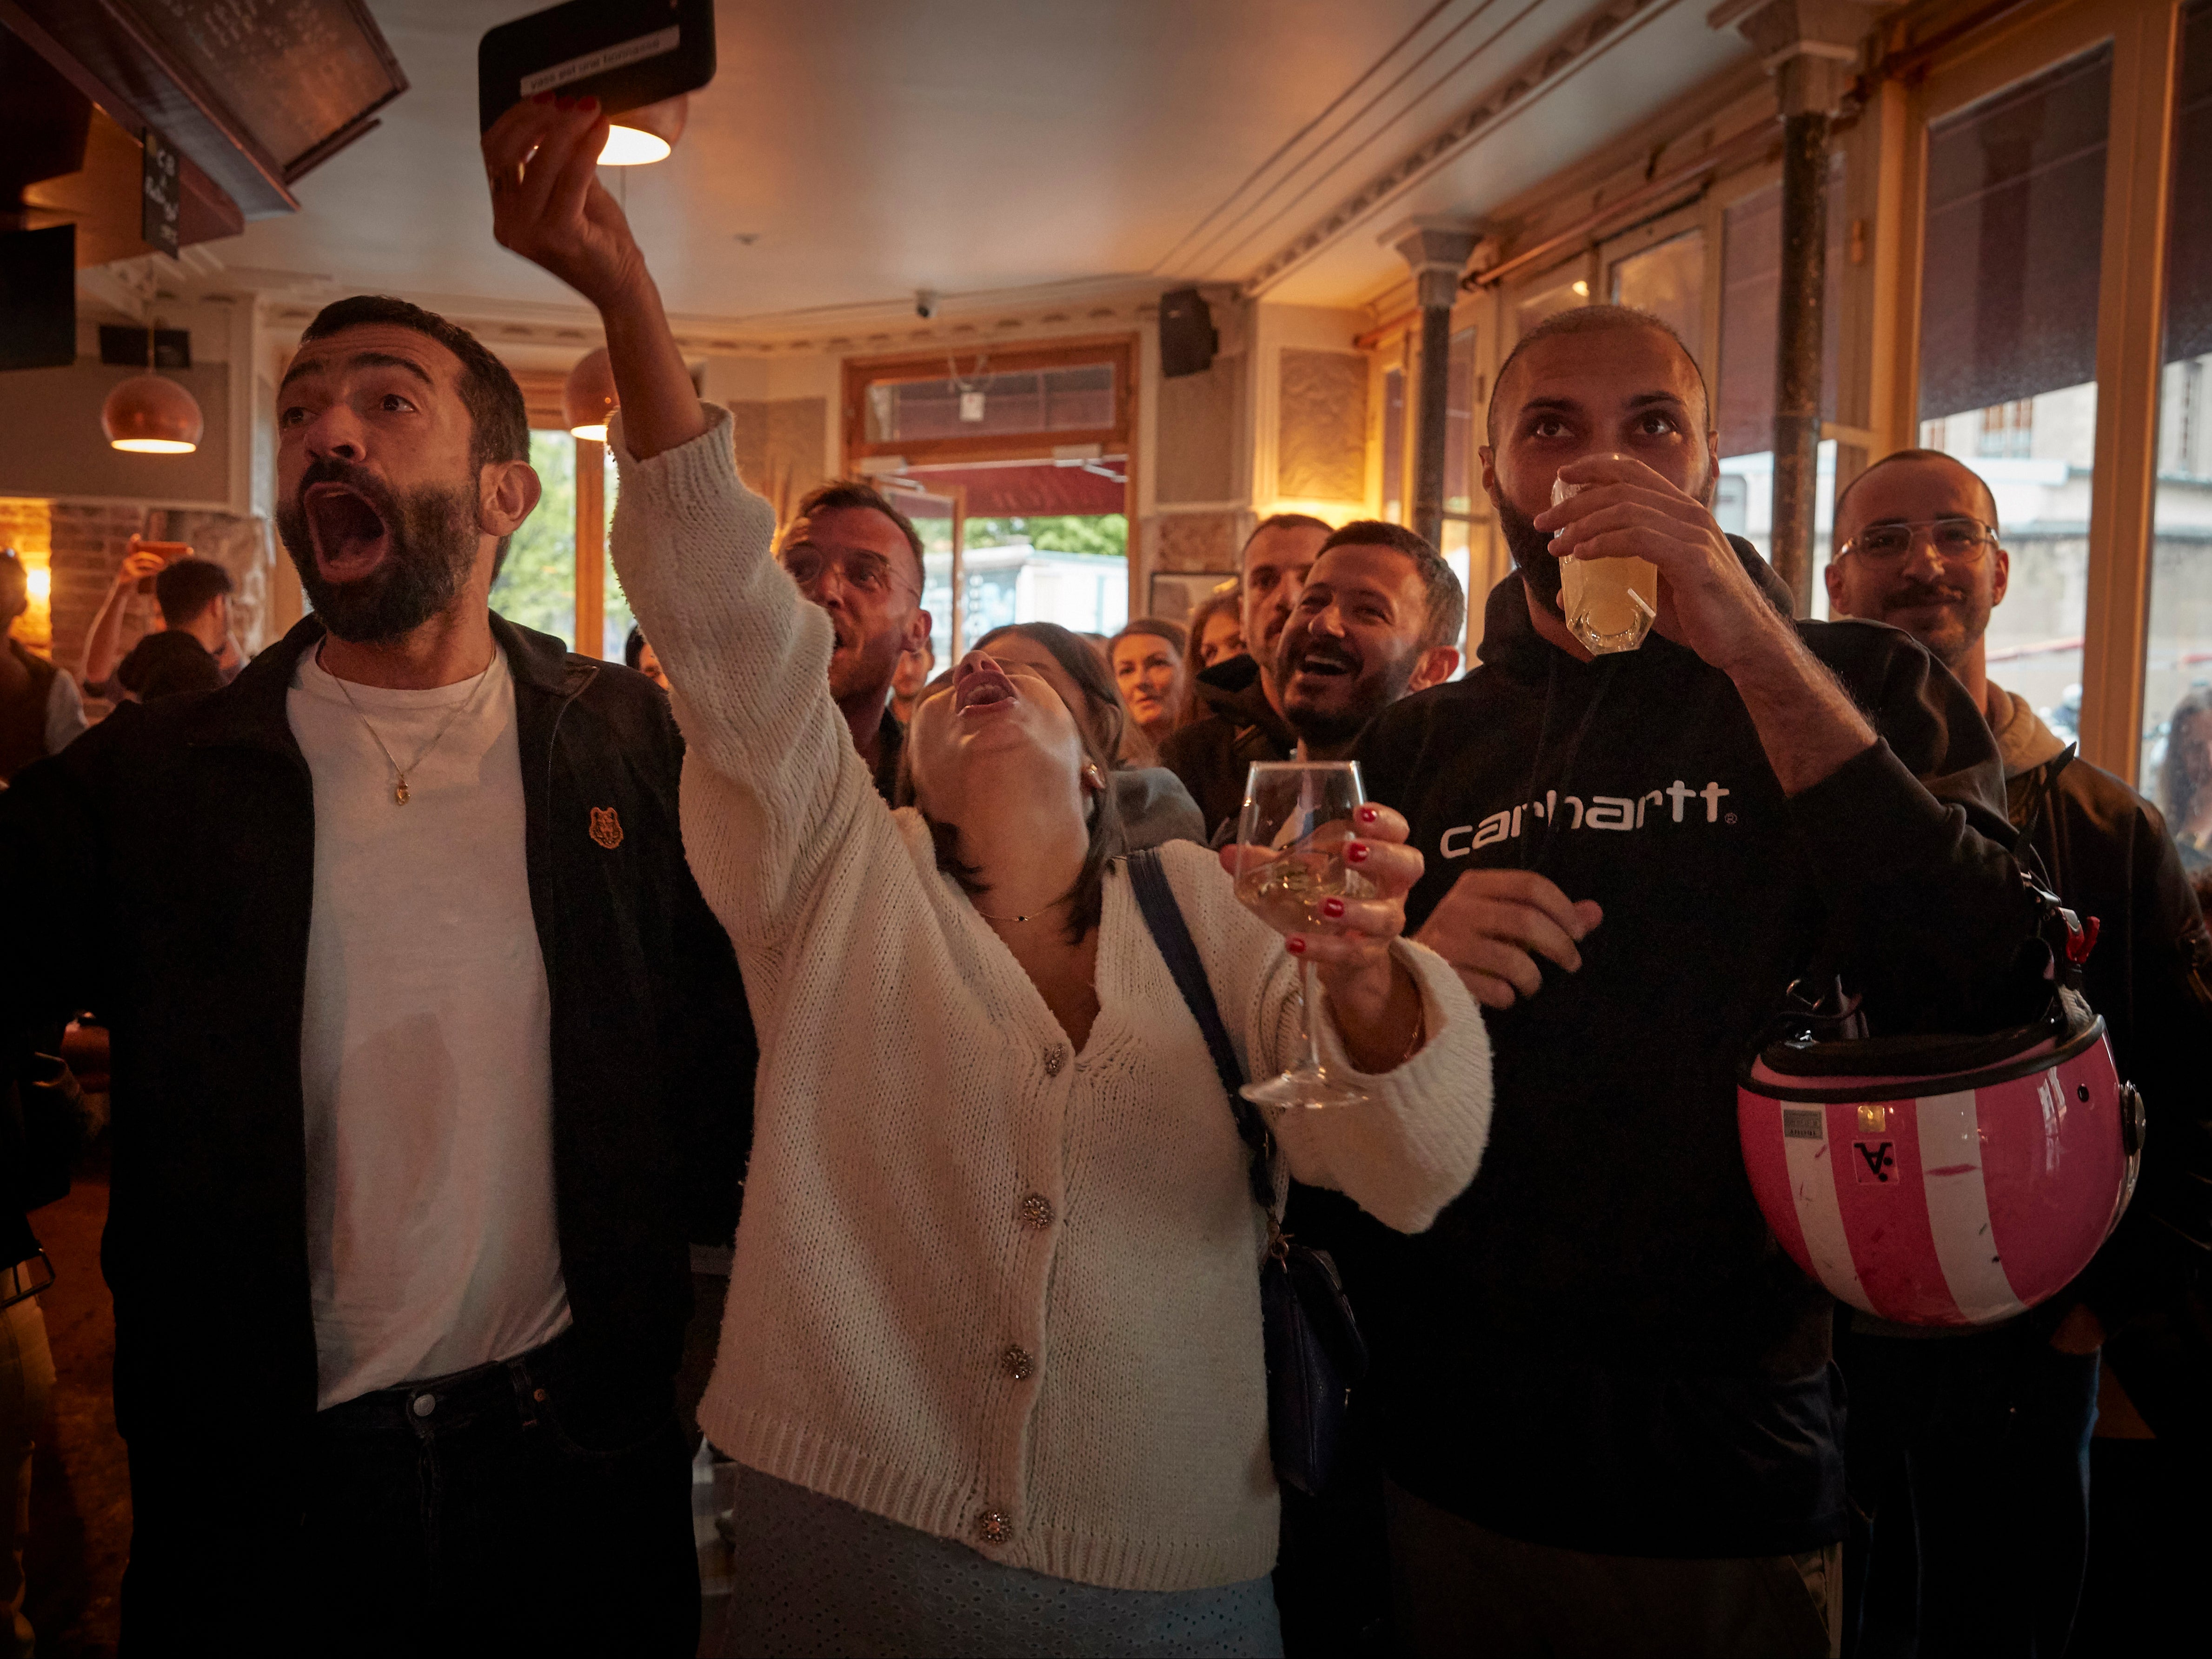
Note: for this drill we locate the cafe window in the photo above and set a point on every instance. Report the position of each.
(981, 404)
(1744, 395)
(2009, 280)
(2176, 766)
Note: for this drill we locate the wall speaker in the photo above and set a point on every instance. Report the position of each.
(1188, 339)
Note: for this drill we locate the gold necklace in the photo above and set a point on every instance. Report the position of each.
(399, 791)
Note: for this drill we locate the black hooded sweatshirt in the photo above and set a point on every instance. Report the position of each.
(1600, 1346)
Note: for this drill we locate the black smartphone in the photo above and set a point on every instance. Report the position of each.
(626, 53)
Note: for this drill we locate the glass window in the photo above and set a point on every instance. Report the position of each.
(1669, 281)
(1563, 294)
(976, 403)
(1394, 444)
(536, 586)
(1458, 533)
(616, 614)
(2176, 767)
(1751, 313)
(1460, 415)
(2009, 349)
(1072, 569)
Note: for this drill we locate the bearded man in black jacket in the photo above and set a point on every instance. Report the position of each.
(1970, 1453)
(426, 1049)
(1604, 1396)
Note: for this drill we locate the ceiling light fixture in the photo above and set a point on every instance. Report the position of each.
(640, 136)
(587, 397)
(151, 415)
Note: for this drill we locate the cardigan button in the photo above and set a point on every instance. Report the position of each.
(1053, 1061)
(1036, 1212)
(1018, 1365)
(993, 1528)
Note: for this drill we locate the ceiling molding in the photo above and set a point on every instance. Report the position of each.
(1593, 35)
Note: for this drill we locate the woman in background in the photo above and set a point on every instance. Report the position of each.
(1149, 666)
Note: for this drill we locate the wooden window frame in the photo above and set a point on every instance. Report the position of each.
(1120, 351)
(2145, 36)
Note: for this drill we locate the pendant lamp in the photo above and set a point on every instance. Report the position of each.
(151, 415)
(587, 397)
(639, 136)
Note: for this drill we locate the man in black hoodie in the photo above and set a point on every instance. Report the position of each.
(1213, 756)
(1604, 1395)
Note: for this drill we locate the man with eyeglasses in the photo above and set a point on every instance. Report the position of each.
(859, 557)
(1970, 1452)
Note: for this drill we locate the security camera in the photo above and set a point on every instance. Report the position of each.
(925, 302)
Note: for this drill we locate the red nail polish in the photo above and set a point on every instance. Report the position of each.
(1295, 945)
(1332, 908)
(1369, 814)
(543, 98)
(1355, 852)
(588, 101)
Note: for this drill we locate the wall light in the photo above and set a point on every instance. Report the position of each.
(587, 397)
(40, 580)
(1581, 290)
(647, 135)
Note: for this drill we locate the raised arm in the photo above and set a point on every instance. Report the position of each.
(771, 784)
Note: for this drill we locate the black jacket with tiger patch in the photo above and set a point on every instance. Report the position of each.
(1600, 1345)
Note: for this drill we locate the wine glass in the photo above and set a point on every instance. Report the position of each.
(1290, 857)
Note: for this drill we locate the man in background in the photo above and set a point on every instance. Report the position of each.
(859, 557)
(1380, 615)
(40, 709)
(915, 666)
(1244, 721)
(1970, 1450)
(185, 653)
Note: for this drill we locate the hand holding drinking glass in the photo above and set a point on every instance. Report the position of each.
(1328, 870)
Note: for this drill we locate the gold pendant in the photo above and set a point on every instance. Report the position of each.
(399, 792)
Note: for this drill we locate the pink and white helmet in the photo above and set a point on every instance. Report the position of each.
(1943, 1181)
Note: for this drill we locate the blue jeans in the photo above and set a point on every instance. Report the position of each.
(506, 1509)
(1968, 1461)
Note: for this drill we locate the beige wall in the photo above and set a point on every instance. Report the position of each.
(54, 446)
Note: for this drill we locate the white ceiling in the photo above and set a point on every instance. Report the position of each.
(979, 147)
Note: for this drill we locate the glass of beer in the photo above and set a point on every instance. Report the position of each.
(1290, 857)
(1610, 604)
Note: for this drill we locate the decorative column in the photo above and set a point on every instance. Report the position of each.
(1812, 47)
(1438, 251)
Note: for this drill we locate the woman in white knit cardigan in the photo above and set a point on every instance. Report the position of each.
(991, 1361)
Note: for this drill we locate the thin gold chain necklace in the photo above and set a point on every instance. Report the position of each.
(399, 791)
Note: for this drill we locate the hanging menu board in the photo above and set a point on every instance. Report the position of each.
(162, 196)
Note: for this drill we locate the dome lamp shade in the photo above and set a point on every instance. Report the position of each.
(151, 415)
(640, 136)
(588, 398)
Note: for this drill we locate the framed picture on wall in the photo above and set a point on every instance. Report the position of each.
(1176, 593)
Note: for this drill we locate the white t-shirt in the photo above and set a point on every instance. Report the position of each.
(426, 1046)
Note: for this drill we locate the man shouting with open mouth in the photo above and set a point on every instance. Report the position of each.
(419, 1023)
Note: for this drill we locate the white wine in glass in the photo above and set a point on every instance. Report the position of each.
(1290, 843)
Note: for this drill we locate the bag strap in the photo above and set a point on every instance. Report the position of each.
(1148, 877)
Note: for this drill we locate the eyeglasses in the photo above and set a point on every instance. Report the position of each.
(862, 572)
(1956, 540)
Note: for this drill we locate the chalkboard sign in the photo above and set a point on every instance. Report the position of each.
(295, 75)
(162, 195)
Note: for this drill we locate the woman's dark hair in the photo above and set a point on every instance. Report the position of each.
(1100, 727)
(2186, 772)
(1232, 601)
(1156, 629)
(633, 646)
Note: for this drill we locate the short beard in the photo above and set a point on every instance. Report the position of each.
(431, 549)
(1532, 555)
(1372, 691)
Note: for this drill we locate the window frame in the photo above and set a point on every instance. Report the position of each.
(857, 374)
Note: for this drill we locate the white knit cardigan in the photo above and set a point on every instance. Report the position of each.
(985, 1287)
